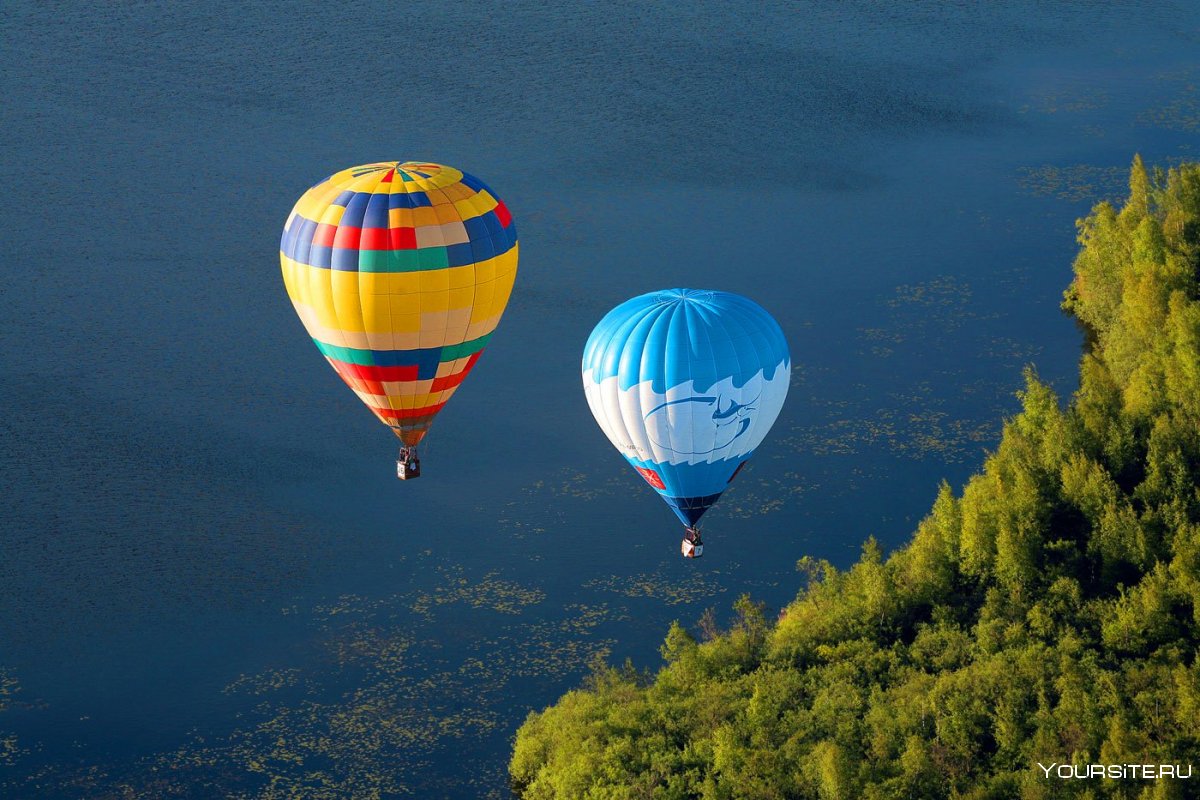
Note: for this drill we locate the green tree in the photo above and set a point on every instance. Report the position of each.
(1050, 612)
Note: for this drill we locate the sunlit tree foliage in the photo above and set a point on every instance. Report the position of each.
(1049, 612)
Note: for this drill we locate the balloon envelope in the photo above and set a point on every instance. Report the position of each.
(686, 384)
(400, 272)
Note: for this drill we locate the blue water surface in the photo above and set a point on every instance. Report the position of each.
(211, 583)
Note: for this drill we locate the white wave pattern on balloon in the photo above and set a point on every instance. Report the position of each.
(686, 426)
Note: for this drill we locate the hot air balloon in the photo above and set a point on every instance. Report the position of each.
(400, 272)
(686, 384)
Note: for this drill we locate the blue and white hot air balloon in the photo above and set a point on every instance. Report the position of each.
(686, 383)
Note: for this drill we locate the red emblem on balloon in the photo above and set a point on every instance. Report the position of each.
(651, 477)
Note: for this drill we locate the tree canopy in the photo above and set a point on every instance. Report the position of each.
(1049, 612)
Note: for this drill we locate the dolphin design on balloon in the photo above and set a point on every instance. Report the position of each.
(686, 384)
(730, 423)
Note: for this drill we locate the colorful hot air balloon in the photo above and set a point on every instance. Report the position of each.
(686, 384)
(400, 272)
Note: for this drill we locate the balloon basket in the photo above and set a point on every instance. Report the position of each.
(408, 466)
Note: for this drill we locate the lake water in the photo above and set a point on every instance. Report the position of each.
(212, 584)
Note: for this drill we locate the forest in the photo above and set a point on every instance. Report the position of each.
(1047, 612)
